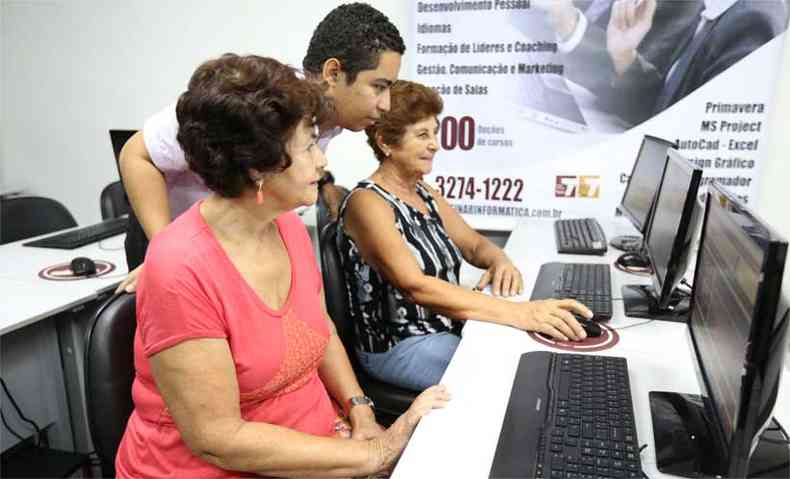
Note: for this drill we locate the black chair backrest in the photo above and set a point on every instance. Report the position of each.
(113, 201)
(27, 216)
(391, 401)
(323, 215)
(335, 288)
(109, 372)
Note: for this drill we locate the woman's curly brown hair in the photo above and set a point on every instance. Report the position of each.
(238, 113)
(410, 102)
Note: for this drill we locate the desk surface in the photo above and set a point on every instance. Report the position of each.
(28, 298)
(460, 440)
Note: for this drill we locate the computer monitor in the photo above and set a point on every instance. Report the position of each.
(738, 325)
(640, 192)
(118, 138)
(668, 243)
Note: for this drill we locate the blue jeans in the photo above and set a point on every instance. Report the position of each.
(414, 363)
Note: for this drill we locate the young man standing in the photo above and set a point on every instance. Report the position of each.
(354, 53)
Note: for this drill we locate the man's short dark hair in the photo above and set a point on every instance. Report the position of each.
(238, 114)
(355, 34)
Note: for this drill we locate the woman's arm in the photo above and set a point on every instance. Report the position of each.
(368, 220)
(147, 192)
(197, 380)
(341, 382)
(479, 251)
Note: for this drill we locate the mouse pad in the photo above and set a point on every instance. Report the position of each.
(62, 271)
(606, 340)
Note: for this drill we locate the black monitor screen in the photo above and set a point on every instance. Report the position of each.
(666, 238)
(118, 138)
(644, 180)
(728, 274)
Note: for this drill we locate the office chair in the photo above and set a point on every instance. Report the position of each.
(109, 371)
(390, 401)
(27, 216)
(323, 216)
(113, 201)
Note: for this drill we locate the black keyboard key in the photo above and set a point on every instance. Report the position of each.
(580, 236)
(82, 236)
(579, 281)
(594, 448)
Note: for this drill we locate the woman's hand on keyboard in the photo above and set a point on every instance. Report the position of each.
(503, 276)
(553, 317)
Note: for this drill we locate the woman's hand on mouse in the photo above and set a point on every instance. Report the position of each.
(129, 284)
(553, 317)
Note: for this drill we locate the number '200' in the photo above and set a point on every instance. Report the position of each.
(458, 132)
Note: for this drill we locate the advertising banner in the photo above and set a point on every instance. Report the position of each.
(547, 101)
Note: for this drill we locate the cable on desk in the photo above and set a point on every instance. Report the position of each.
(635, 270)
(633, 326)
(642, 448)
(10, 429)
(19, 411)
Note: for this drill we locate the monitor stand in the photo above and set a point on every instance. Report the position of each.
(627, 243)
(685, 445)
(639, 301)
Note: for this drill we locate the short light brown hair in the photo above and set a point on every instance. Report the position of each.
(410, 103)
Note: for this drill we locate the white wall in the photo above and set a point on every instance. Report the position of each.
(773, 202)
(774, 196)
(2, 95)
(75, 68)
(72, 69)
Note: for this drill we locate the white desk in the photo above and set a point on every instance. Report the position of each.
(28, 298)
(460, 440)
(42, 339)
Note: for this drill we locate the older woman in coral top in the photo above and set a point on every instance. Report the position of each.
(239, 369)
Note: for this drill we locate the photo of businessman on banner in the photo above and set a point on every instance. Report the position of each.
(640, 57)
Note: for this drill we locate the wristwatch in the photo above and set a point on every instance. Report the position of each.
(359, 400)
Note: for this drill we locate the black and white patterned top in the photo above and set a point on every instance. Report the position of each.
(381, 314)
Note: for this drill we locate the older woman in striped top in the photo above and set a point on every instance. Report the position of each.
(402, 245)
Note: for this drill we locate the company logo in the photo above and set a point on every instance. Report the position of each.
(577, 186)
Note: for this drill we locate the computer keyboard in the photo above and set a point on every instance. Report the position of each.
(82, 236)
(588, 283)
(569, 416)
(579, 236)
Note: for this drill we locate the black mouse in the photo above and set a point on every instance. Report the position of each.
(82, 266)
(632, 260)
(592, 329)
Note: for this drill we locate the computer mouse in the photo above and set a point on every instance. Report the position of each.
(82, 266)
(592, 329)
(632, 260)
